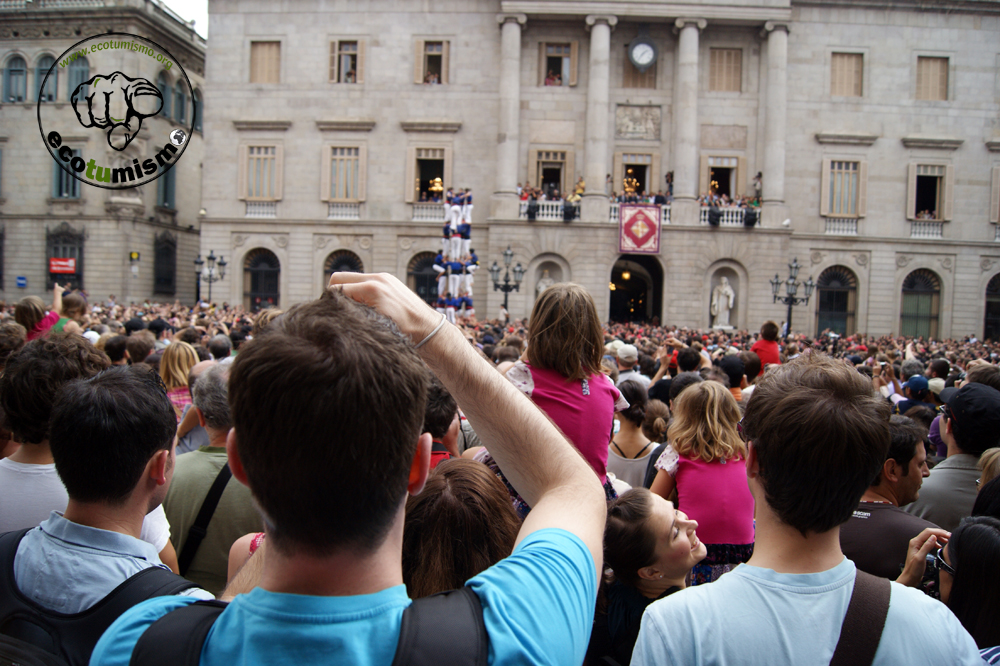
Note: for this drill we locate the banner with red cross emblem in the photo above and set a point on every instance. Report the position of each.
(639, 229)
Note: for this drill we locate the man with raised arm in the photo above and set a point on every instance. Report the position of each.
(330, 456)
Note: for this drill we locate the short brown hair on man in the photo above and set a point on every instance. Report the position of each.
(769, 331)
(327, 404)
(751, 364)
(34, 375)
(564, 332)
(984, 374)
(140, 345)
(820, 435)
(12, 338)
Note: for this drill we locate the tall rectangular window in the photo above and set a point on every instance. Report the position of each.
(345, 62)
(345, 174)
(262, 166)
(551, 167)
(265, 62)
(65, 186)
(725, 70)
(930, 191)
(557, 64)
(166, 189)
(932, 78)
(843, 189)
(431, 61)
(846, 70)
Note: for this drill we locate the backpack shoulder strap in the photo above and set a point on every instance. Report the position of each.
(200, 527)
(176, 638)
(863, 624)
(444, 628)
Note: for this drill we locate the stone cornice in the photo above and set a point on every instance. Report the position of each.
(346, 125)
(440, 126)
(663, 11)
(935, 142)
(262, 125)
(982, 7)
(849, 138)
(993, 146)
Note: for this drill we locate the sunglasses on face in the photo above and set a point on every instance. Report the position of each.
(942, 565)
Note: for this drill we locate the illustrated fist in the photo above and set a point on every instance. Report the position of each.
(118, 104)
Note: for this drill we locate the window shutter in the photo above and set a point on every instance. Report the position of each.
(862, 188)
(995, 199)
(418, 66)
(911, 192)
(279, 169)
(541, 63)
(326, 155)
(703, 176)
(448, 169)
(741, 176)
(618, 173)
(569, 173)
(359, 71)
(362, 171)
(533, 168)
(949, 192)
(445, 61)
(654, 184)
(574, 52)
(244, 157)
(824, 188)
(334, 57)
(411, 173)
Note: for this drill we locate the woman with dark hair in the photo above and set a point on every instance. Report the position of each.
(988, 499)
(461, 524)
(630, 449)
(650, 548)
(969, 576)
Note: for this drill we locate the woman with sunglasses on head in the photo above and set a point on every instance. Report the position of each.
(706, 462)
(969, 576)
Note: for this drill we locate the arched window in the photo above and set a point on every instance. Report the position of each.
(165, 92)
(48, 94)
(180, 102)
(421, 277)
(165, 264)
(921, 304)
(342, 261)
(199, 109)
(64, 242)
(15, 80)
(79, 73)
(991, 330)
(261, 273)
(836, 300)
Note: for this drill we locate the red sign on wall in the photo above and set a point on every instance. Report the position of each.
(62, 265)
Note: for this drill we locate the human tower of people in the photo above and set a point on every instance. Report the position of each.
(457, 262)
(363, 479)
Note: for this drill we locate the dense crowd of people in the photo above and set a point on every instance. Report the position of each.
(314, 484)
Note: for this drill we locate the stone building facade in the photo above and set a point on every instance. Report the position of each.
(45, 214)
(874, 126)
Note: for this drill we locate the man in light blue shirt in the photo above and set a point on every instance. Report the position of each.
(330, 456)
(816, 436)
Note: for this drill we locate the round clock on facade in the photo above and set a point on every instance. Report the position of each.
(642, 53)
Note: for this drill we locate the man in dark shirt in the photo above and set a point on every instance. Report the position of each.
(877, 536)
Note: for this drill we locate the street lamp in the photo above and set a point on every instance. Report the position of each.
(791, 289)
(208, 273)
(506, 287)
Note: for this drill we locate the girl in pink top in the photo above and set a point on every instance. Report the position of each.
(562, 374)
(706, 462)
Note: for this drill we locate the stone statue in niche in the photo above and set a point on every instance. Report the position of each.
(723, 300)
(544, 282)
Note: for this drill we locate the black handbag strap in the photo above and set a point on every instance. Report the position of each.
(862, 629)
(200, 527)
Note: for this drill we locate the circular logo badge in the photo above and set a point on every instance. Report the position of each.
(131, 110)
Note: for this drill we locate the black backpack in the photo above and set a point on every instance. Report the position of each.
(32, 635)
(176, 639)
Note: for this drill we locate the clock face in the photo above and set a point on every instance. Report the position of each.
(643, 54)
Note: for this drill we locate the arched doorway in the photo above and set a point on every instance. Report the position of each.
(921, 304)
(836, 300)
(636, 288)
(261, 273)
(991, 328)
(342, 261)
(421, 276)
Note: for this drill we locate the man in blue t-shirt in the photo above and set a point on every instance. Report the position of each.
(816, 437)
(327, 408)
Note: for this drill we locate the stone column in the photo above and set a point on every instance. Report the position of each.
(595, 203)
(776, 116)
(685, 114)
(505, 201)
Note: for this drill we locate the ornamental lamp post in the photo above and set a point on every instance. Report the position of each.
(506, 287)
(209, 274)
(791, 290)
